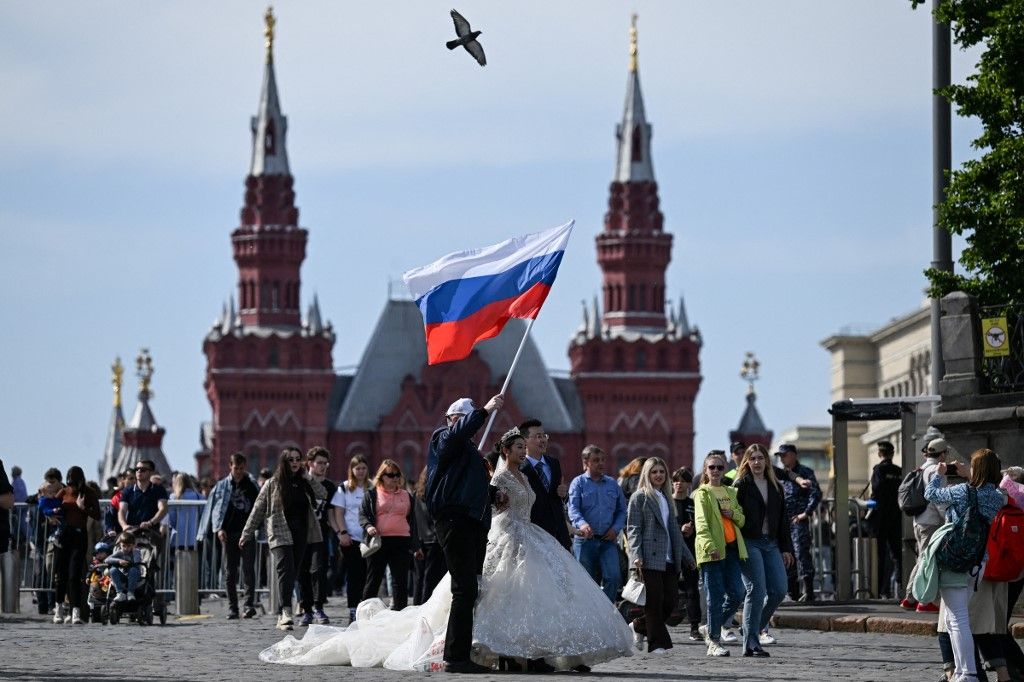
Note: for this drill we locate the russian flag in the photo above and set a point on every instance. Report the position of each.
(468, 296)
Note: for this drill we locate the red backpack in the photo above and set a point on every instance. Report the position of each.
(1005, 545)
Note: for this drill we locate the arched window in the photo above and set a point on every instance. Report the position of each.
(631, 297)
(275, 296)
(637, 150)
(273, 358)
(619, 359)
(264, 296)
(662, 358)
(641, 359)
(642, 302)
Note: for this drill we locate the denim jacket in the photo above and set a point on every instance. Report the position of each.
(216, 508)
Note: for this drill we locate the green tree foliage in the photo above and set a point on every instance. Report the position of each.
(985, 200)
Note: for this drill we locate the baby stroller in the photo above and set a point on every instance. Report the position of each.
(97, 589)
(148, 603)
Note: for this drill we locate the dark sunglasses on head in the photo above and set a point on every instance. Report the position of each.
(715, 467)
(392, 475)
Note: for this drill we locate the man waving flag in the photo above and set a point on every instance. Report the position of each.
(468, 296)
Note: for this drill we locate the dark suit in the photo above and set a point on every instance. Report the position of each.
(548, 511)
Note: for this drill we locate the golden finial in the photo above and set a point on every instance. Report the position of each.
(751, 371)
(117, 370)
(632, 44)
(268, 32)
(144, 370)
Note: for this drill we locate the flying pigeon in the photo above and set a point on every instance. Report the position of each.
(466, 38)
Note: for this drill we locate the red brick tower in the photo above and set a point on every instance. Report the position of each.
(636, 369)
(269, 373)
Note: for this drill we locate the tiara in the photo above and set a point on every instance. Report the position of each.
(511, 433)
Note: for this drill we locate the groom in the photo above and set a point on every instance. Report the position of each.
(459, 497)
(545, 476)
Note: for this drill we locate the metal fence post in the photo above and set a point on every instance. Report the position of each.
(186, 582)
(10, 582)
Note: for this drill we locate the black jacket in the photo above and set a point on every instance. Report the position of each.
(457, 477)
(368, 515)
(755, 511)
(548, 510)
(885, 485)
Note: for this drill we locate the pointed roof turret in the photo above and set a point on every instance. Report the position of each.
(269, 125)
(143, 437)
(682, 322)
(584, 322)
(751, 428)
(115, 427)
(228, 322)
(313, 319)
(634, 133)
(595, 320)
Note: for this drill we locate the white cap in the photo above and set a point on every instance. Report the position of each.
(461, 406)
(937, 447)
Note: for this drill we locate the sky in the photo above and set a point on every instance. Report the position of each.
(791, 147)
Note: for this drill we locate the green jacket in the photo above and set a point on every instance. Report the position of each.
(708, 521)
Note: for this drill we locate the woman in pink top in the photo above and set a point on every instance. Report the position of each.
(388, 512)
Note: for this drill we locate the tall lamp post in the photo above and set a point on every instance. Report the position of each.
(942, 162)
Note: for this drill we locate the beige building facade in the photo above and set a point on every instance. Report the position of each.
(893, 362)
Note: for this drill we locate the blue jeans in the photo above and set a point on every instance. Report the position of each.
(764, 576)
(125, 579)
(597, 554)
(723, 589)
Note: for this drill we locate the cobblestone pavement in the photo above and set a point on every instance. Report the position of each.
(211, 648)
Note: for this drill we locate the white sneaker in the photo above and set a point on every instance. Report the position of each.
(284, 621)
(659, 651)
(76, 616)
(58, 614)
(765, 639)
(703, 630)
(717, 650)
(121, 596)
(728, 636)
(638, 639)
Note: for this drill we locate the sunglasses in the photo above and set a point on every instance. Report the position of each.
(141, 469)
(392, 475)
(715, 467)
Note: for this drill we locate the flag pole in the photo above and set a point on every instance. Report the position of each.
(508, 380)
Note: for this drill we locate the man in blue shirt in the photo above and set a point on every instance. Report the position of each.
(597, 510)
(144, 504)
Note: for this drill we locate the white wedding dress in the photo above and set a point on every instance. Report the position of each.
(536, 601)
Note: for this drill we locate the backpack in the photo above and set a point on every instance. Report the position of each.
(963, 547)
(1005, 546)
(910, 496)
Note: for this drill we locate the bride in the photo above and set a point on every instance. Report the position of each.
(536, 602)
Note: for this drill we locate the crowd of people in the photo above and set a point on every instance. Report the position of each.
(662, 546)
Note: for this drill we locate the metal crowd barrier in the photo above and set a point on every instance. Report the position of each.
(200, 558)
(863, 550)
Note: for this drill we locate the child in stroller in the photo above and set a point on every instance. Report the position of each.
(97, 582)
(132, 570)
(125, 567)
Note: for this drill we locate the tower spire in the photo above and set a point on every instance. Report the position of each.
(634, 133)
(269, 125)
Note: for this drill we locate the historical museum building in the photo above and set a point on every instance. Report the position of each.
(635, 365)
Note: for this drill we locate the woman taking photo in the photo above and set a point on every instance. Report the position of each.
(657, 550)
(720, 548)
(388, 511)
(78, 503)
(348, 500)
(287, 503)
(980, 493)
(769, 546)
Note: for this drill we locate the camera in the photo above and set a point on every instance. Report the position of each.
(951, 470)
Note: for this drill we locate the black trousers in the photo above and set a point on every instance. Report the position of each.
(889, 536)
(233, 557)
(393, 554)
(429, 571)
(287, 559)
(463, 541)
(689, 585)
(69, 566)
(313, 577)
(355, 573)
(662, 591)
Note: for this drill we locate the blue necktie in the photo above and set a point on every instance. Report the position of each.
(542, 472)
